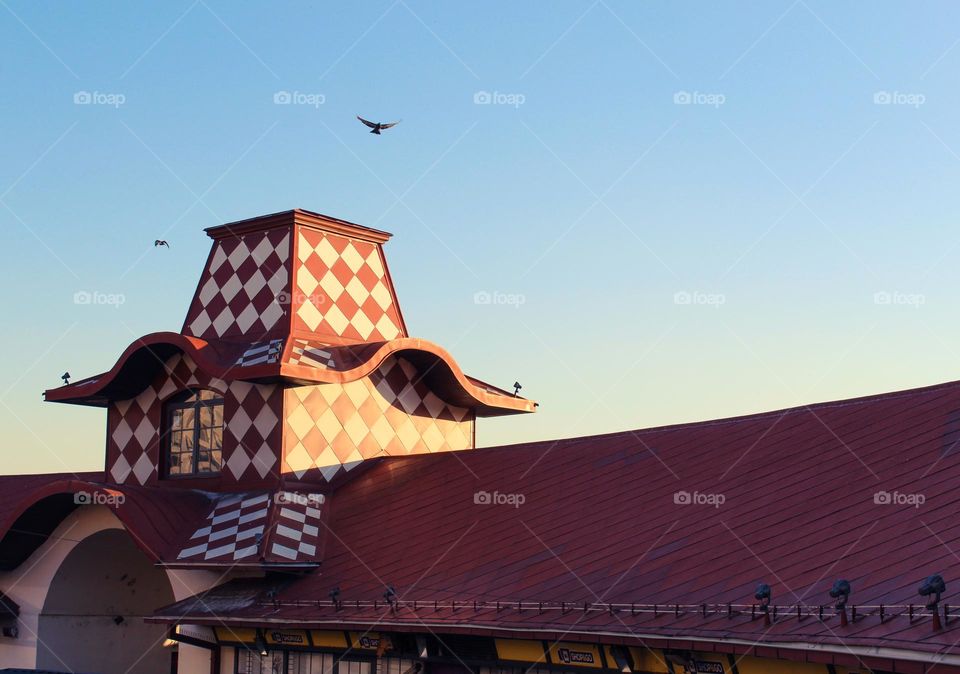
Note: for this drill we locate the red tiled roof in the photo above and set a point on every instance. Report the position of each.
(600, 523)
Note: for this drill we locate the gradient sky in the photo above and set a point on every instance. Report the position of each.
(788, 235)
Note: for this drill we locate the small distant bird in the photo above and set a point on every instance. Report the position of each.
(65, 377)
(377, 127)
(160, 242)
(516, 388)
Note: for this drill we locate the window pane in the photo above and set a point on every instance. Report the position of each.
(215, 464)
(176, 420)
(218, 415)
(216, 438)
(206, 416)
(186, 463)
(188, 420)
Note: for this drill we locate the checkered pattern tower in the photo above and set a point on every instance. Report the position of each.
(296, 330)
(296, 273)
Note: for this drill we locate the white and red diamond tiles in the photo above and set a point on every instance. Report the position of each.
(295, 532)
(252, 432)
(252, 422)
(342, 288)
(238, 525)
(329, 428)
(243, 289)
(313, 354)
(233, 530)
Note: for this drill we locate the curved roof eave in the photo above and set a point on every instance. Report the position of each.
(441, 372)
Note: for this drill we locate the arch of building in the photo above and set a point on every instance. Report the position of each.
(83, 595)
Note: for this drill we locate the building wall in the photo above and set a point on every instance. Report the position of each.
(342, 288)
(250, 440)
(243, 287)
(331, 428)
(28, 585)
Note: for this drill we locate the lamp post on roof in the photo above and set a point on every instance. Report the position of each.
(841, 592)
(763, 594)
(932, 588)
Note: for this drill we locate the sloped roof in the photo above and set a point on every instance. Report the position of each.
(809, 495)
(298, 361)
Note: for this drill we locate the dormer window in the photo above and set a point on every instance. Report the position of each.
(194, 433)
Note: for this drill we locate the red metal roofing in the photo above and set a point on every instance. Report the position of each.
(600, 523)
(225, 359)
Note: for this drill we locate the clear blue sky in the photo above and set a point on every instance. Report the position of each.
(816, 164)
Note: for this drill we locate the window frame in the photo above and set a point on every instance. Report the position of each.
(180, 402)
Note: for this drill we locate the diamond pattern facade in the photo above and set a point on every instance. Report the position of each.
(251, 434)
(331, 428)
(244, 288)
(342, 288)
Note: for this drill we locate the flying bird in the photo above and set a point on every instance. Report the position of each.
(65, 377)
(160, 242)
(377, 127)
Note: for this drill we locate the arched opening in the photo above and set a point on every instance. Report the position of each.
(92, 618)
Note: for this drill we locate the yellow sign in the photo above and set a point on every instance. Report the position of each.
(576, 655)
(322, 639)
(370, 641)
(235, 635)
(286, 637)
(520, 650)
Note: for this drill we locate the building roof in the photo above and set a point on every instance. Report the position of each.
(669, 525)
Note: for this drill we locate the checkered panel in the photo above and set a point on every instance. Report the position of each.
(252, 433)
(243, 289)
(232, 532)
(343, 289)
(253, 423)
(261, 352)
(312, 354)
(295, 535)
(133, 433)
(331, 428)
